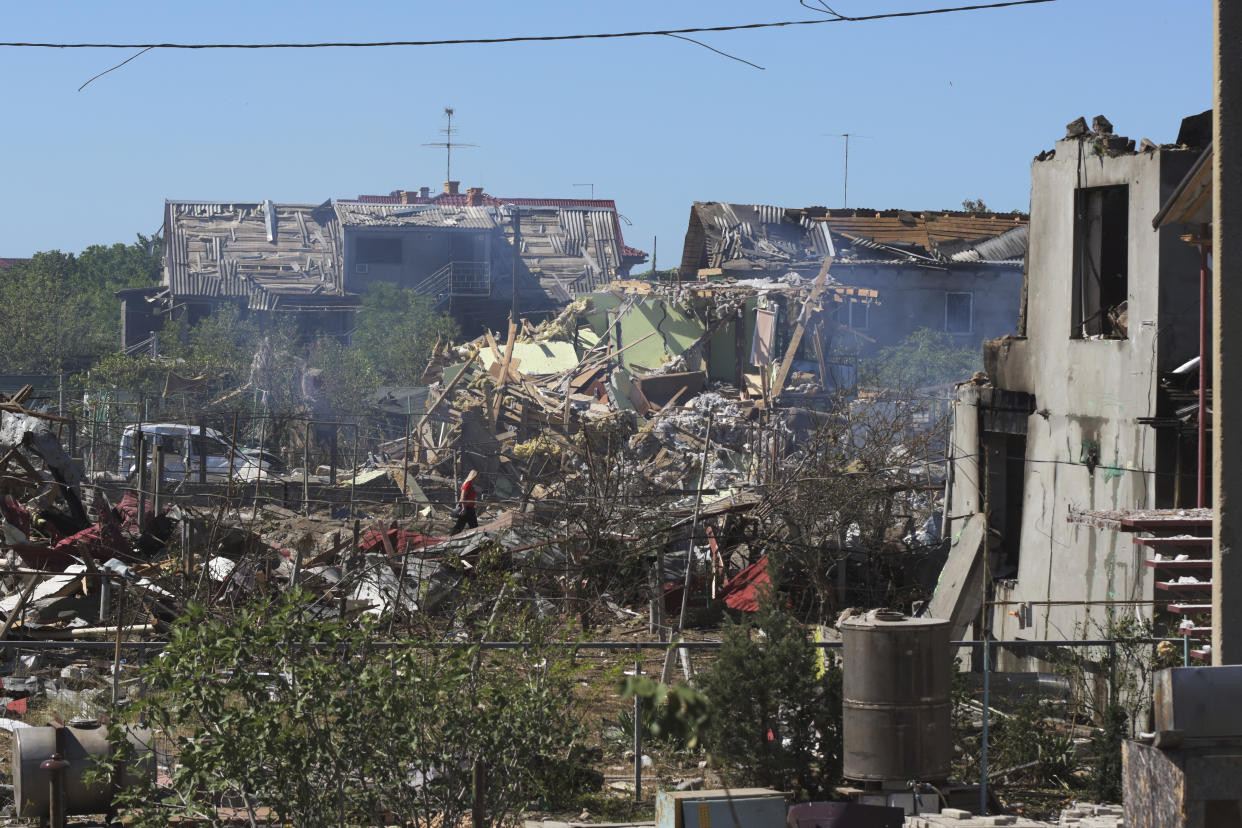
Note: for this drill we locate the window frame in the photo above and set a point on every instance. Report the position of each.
(361, 244)
(970, 311)
(866, 312)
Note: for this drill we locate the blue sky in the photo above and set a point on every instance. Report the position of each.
(955, 106)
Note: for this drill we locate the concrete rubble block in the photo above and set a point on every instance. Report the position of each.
(1076, 128)
(955, 813)
(76, 672)
(1101, 125)
(21, 684)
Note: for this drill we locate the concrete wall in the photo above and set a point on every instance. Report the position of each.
(1087, 392)
(913, 297)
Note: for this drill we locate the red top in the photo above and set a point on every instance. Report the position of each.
(468, 494)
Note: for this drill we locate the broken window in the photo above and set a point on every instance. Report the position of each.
(860, 315)
(1101, 262)
(1004, 491)
(958, 308)
(378, 250)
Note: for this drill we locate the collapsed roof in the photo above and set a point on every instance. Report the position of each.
(740, 238)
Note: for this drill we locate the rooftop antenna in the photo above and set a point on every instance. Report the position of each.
(592, 186)
(448, 143)
(845, 195)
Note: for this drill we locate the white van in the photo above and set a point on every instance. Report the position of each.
(184, 446)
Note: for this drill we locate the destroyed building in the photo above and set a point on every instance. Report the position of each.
(960, 273)
(1065, 429)
(315, 261)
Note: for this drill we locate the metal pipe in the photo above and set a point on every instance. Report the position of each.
(1201, 496)
(983, 754)
(202, 451)
(157, 482)
(116, 654)
(353, 484)
(55, 768)
(140, 443)
(638, 729)
(306, 470)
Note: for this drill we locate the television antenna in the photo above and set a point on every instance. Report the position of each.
(448, 143)
(592, 186)
(845, 188)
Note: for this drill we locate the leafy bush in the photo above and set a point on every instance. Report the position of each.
(314, 719)
(773, 722)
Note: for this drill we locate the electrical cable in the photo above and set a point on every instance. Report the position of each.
(524, 38)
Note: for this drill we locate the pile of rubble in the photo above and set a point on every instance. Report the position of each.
(627, 451)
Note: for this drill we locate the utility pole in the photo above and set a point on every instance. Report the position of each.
(1226, 338)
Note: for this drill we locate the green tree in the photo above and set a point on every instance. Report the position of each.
(320, 721)
(924, 358)
(772, 721)
(59, 311)
(396, 331)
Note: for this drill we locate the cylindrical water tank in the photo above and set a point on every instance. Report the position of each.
(896, 698)
(83, 745)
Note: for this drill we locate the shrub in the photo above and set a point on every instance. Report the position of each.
(773, 720)
(316, 720)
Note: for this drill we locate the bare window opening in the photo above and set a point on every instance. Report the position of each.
(860, 315)
(378, 250)
(1101, 263)
(958, 312)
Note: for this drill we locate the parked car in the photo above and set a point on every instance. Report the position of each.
(185, 446)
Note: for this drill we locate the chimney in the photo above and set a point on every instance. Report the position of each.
(451, 187)
(474, 196)
(424, 192)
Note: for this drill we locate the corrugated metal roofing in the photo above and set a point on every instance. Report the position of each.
(1008, 246)
(738, 237)
(483, 199)
(215, 248)
(352, 214)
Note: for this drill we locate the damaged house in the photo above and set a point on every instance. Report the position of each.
(1067, 436)
(960, 273)
(315, 261)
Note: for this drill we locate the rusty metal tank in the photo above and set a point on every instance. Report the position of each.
(896, 683)
(81, 743)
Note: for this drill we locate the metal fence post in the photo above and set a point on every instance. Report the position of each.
(983, 754)
(638, 728)
(157, 481)
(306, 469)
(202, 451)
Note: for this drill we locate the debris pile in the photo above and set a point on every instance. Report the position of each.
(634, 455)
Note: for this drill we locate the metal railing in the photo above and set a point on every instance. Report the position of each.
(458, 279)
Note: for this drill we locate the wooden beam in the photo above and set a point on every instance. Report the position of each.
(782, 375)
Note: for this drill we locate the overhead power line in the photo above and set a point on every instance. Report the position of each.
(524, 38)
